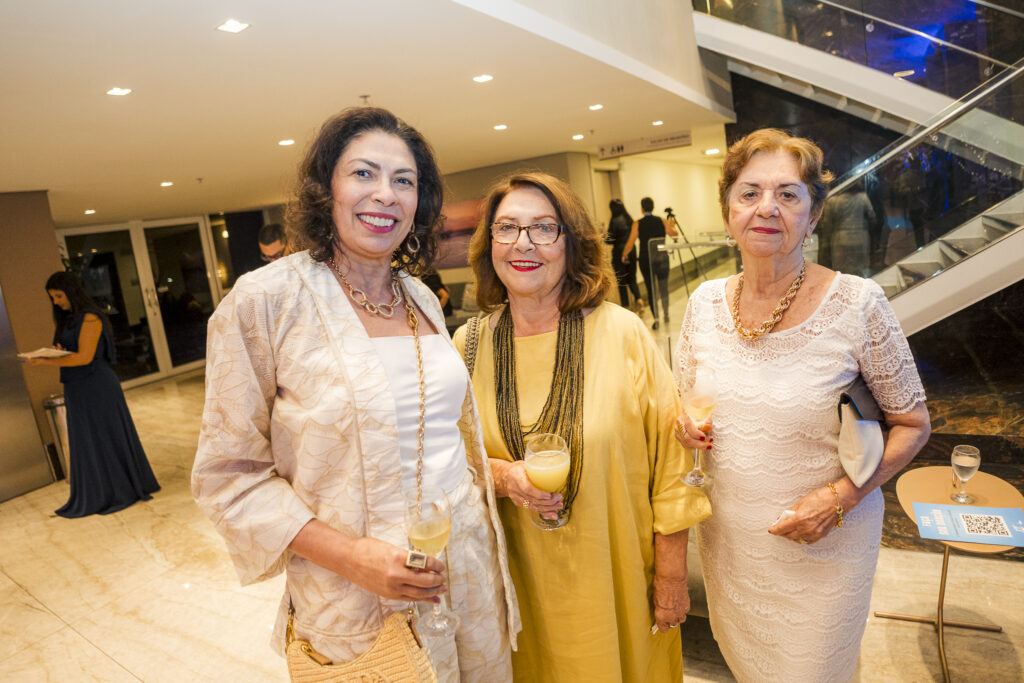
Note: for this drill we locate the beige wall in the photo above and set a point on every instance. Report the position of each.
(690, 189)
(572, 167)
(28, 257)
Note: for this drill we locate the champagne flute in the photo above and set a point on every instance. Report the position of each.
(966, 461)
(547, 466)
(429, 521)
(698, 402)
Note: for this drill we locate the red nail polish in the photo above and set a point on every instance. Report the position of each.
(709, 447)
(702, 437)
(711, 440)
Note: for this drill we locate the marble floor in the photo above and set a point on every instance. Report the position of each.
(149, 594)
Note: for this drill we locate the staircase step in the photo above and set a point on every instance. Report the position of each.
(965, 245)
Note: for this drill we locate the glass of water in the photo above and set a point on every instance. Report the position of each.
(966, 460)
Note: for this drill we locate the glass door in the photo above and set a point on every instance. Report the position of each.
(153, 279)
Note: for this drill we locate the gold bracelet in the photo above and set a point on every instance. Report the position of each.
(839, 506)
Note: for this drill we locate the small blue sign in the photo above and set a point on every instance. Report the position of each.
(970, 524)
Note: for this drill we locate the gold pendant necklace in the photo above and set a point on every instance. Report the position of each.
(360, 298)
(776, 316)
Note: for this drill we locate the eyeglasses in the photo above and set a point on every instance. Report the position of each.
(539, 233)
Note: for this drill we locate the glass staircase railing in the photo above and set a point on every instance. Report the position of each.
(947, 46)
(934, 198)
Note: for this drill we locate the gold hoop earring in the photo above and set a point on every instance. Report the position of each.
(807, 242)
(409, 246)
(730, 241)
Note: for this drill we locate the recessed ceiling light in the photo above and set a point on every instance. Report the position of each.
(232, 26)
(904, 74)
(224, 233)
(166, 183)
(119, 91)
(577, 137)
(500, 126)
(595, 107)
(712, 151)
(657, 123)
(483, 78)
(285, 143)
(89, 212)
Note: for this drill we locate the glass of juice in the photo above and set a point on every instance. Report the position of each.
(428, 519)
(547, 466)
(699, 402)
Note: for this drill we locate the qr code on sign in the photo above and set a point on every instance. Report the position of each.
(985, 525)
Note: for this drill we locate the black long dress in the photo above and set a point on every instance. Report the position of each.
(109, 470)
(625, 273)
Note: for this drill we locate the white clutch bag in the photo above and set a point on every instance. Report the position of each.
(860, 432)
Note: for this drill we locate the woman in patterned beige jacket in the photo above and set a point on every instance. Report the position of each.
(308, 443)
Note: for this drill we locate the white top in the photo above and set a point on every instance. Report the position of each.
(784, 611)
(444, 453)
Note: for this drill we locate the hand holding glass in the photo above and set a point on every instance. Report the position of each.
(966, 460)
(547, 466)
(429, 521)
(699, 402)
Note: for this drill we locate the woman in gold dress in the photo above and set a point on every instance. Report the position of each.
(553, 356)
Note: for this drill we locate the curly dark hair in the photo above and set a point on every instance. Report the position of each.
(588, 274)
(310, 220)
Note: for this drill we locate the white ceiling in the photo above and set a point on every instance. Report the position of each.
(212, 105)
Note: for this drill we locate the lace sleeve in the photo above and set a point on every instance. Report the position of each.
(684, 357)
(885, 359)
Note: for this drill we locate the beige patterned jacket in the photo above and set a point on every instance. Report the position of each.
(298, 414)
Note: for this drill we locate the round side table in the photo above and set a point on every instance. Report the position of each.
(935, 485)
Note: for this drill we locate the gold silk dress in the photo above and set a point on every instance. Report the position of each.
(585, 591)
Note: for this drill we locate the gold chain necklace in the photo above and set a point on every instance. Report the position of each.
(359, 296)
(414, 325)
(562, 413)
(776, 316)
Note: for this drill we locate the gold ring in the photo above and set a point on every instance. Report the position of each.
(526, 503)
(804, 541)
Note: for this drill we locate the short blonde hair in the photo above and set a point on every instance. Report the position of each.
(588, 275)
(807, 154)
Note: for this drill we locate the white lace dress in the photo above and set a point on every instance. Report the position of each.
(782, 611)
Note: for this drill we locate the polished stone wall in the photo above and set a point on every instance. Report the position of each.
(972, 367)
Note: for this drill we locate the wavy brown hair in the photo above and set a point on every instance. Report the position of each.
(588, 275)
(310, 220)
(807, 154)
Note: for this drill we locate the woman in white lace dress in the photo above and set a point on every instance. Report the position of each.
(789, 598)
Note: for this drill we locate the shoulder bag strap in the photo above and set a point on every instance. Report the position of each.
(472, 340)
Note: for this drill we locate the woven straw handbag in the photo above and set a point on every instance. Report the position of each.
(396, 656)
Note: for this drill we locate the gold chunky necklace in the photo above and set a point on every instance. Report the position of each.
(562, 413)
(776, 316)
(359, 296)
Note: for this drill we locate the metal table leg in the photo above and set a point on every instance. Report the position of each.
(938, 622)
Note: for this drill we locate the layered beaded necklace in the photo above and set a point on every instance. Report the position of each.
(773, 320)
(562, 413)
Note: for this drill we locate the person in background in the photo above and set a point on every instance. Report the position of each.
(619, 227)
(432, 279)
(646, 229)
(555, 357)
(789, 555)
(273, 242)
(850, 216)
(331, 394)
(109, 469)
